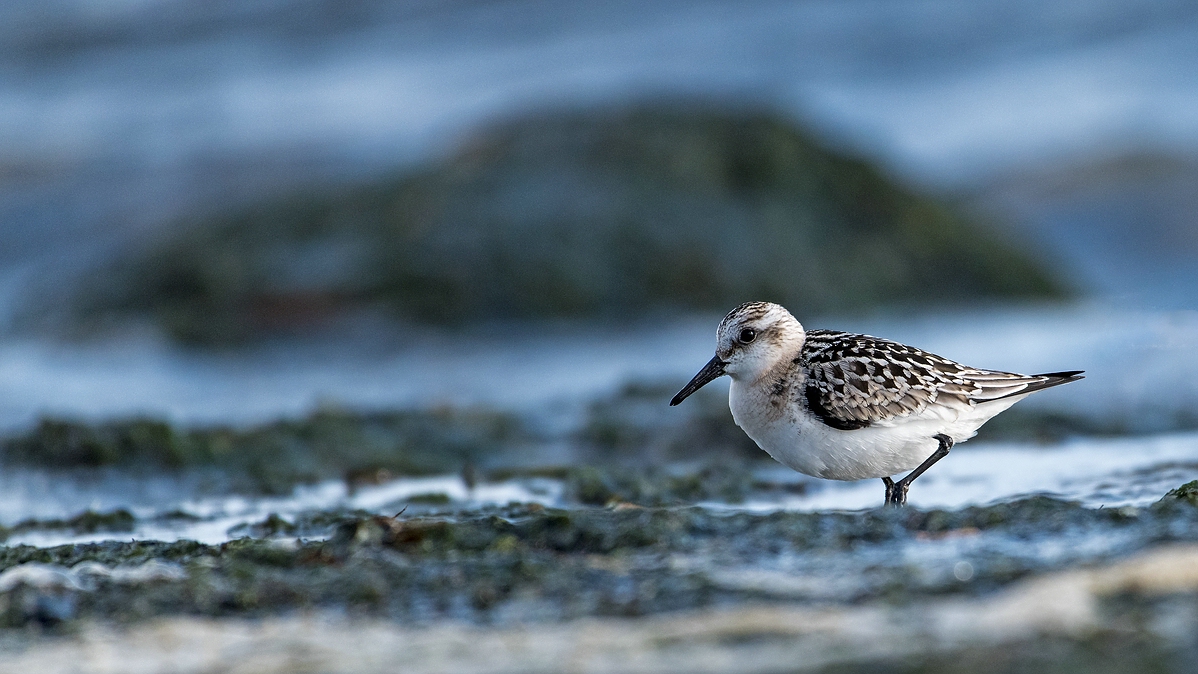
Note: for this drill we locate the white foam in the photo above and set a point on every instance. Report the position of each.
(220, 518)
(83, 575)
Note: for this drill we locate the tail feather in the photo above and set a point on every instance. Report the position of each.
(1050, 379)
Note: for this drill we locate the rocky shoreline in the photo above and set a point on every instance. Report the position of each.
(527, 563)
(629, 589)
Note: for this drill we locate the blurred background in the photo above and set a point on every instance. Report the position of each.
(272, 271)
(238, 214)
(179, 177)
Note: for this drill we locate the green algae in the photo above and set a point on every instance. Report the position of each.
(430, 498)
(371, 448)
(87, 522)
(524, 564)
(111, 553)
(595, 485)
(530, 563)
(635, 424)
(575, 213)
(273, 458)
(1186, 493)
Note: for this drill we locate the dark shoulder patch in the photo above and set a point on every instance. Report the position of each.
(825, 415)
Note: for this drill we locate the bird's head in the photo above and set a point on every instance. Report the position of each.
(750, 341)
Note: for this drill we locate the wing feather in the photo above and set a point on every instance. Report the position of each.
(855, 380)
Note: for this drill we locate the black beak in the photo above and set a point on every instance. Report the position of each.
(713, 369)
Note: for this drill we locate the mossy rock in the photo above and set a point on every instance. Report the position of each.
(273, 458)
(1187, 493)
(578, 213)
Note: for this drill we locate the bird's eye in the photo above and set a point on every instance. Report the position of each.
(747, 335)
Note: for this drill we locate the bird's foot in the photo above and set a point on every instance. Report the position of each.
(896, 492)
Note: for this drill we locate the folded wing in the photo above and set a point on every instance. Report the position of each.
(854, 381)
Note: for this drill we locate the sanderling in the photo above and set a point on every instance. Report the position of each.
(843, 406)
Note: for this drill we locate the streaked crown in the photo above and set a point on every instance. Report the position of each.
(755, 336)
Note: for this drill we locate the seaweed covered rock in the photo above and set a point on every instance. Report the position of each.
(632, 424)
(273, 458)
(578, 213)
(523, 563)
(1186, 493)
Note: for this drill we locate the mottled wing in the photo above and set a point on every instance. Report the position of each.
(854, 381)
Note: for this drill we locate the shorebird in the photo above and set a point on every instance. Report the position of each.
(844, 406)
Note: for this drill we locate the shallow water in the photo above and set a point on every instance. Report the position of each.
(216, 519)
(109, 134)
(1140, 374)
(1098, 473)
(1138, 366)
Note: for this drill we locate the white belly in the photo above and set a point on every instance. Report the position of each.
(802, 442)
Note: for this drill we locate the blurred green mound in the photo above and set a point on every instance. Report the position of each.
(601, 213)
(272, 458)
(615, 454)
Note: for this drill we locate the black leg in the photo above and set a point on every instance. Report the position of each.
(896, 492)
(890, 495)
